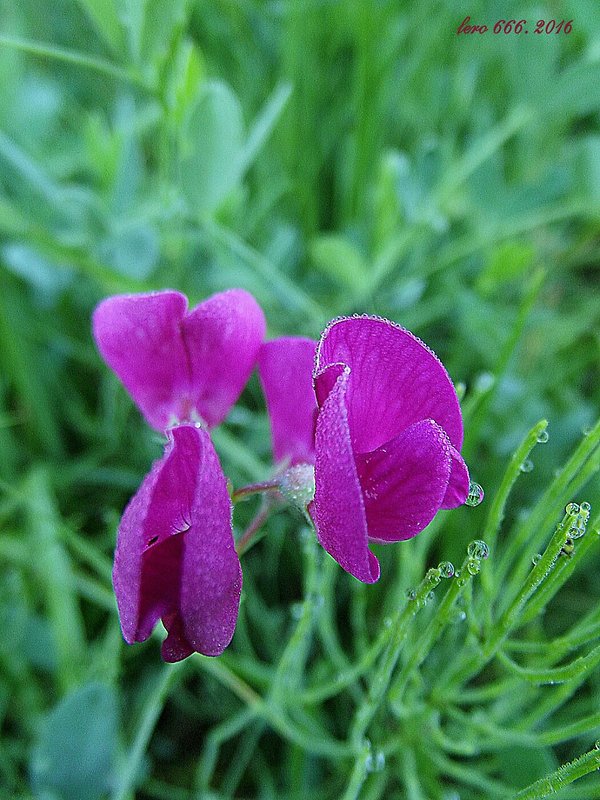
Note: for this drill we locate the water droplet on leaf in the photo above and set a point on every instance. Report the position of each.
(475, 495)
(411, 594)
(478, 549)
(446, 569)
(585, 507)
(572, 508)
(527, 465)
(576, 531)
(375, 763)
(543, 437)
(473, 566)
(536, 559)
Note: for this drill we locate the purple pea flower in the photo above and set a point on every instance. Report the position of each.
(175, 558)
(387, 438)
(181, 365)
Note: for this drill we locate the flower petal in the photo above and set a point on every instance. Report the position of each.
(395, 380)
(285, 367)
(338, 509)
(139, 337)
(177, 366)
(222, 337)
(175, 555)
(458, 485)
(404, 481)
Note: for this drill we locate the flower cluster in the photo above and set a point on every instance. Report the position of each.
(366, 435)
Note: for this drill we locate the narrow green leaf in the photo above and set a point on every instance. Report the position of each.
(105, 19)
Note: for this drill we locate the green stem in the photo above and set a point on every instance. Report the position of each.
(384, 671)
(563, 776)
(431, 633)
(255, 488)
(43, 50)
(150, 714)
(497, 509)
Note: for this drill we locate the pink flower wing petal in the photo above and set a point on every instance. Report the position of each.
(395, 380)
(211, 580)
(175, 555)
(139, 338)
(338, 509)
(285, 367)
(222, 337)
(404, 481)
(458, 485)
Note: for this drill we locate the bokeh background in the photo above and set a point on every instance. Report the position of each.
(331, 158)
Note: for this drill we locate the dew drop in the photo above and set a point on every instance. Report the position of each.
(387, 622)
(478, 549)
(473, 566)
(430, 597)
(585, 507)
(411, 594)
(460, 616)
(543, 437)
(446, 569)
(576, 531)
(375, 763)
(484, 382)
(527, 465)
(475, 495)
(587, 430)
(433, 575)
(597, 744)
(571, 508)
(536, 559)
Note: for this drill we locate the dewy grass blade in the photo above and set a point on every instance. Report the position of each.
(497, 509)
(563, 776)
(531, 531)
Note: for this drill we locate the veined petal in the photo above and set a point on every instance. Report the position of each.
(285, 368)
(404, 481)
(395, 381)
(179, 366)
(175, 556)
(139, 337)
(222, 336)
(338, 509)
(458, 485)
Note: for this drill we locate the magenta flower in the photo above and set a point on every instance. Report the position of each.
(175, 558)
(177, 365)
(387, 438)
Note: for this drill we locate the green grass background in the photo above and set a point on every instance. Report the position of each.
(331, 158)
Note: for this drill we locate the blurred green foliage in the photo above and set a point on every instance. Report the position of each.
(330, 157)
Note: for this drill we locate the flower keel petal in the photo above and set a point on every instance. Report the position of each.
(175, 555)
(458, 485)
